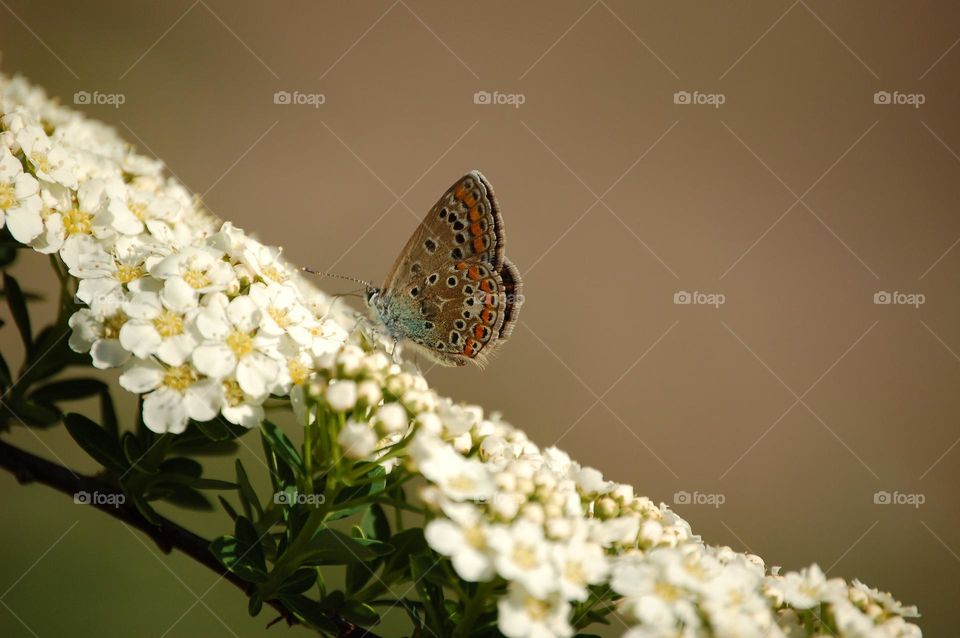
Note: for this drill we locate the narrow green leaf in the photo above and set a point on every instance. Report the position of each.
(239, 557)
(282, 447)
(248, 496)
(302, 580)
(69, 390)
(96, 442)
(18, 309)
(332, 547)
(310, 612)
(228, 508)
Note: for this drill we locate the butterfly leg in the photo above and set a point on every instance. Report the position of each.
(395, 352)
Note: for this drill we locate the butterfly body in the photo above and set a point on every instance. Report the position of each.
(452, 293)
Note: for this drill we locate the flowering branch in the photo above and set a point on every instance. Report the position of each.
(29, 468)
(407, 498)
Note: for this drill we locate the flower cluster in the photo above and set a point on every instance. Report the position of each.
(206, 321)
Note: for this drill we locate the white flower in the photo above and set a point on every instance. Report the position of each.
(191, 272)
(175, 394)
(52, 163)
(153, 328)
(342, 395)
(239, 407)
(522, 554)
(463, 540)
(459, 478)
(232, 345)
(805, 589)
(357, 440)
(97, 331)
(19, 199)
(392, 418)
(522, 615)
(580, 563)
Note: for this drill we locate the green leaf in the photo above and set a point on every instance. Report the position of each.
(281, 446)
(18, 309)
(96, 442)
(220, 430)
(7, 254)
(255, 605)
(240, 558)
(33, 412)
(69, 390)
(108, 414)
(359, 613)
(188, 498)
(6, 380)
(332, 547)
(248, 496)
(301, 581)
(310, 612)
(228, 508)
(181, 465)
(431, 594)
(375, 524)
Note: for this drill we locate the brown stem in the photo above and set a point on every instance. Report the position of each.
(29, 468)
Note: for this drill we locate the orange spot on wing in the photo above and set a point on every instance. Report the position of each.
(468, 347)
(459, 191)
(486, 316)
(479, 330)
(474, 273)
(475, 229)
(475, 214)
(487, 285)
(478, 244)
(462, 265)
(468, 199)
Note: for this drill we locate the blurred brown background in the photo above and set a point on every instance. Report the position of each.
(798, 199)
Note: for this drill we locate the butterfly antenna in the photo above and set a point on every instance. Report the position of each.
(336, 276)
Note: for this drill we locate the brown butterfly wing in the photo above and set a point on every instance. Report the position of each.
(452, 282)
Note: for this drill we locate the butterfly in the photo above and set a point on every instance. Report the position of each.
(451, 292)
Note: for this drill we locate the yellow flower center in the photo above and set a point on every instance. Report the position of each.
(77, 222)
(574, 573)
(179, 378)
(524, 556)
(667, 591)
(299, 373)
(168, 323)
(475, 538)
(112, 325)
(139, 210)
(536, 608)
(196, 278)
(240, 342)
(41, 161)
(126, 274)
(8, 195)
(274, 273)
(279, 315)
(232, 392)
